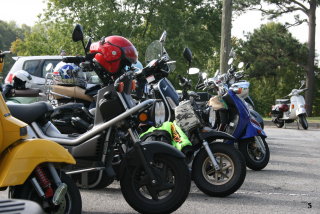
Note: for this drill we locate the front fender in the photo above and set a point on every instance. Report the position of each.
(213, 135)
(300, 111)
(149, 149)
(253, 130)
(19, 160)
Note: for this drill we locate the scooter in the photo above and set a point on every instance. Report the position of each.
(287, 111)
(217, 169)
(250, 138)
(32, 168)
(153, 175)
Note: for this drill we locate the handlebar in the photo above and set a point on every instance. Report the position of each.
(74, 59)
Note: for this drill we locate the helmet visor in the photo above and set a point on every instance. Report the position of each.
(131, 54)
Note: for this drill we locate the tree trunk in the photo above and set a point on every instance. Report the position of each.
(225, 35)
(311, 55)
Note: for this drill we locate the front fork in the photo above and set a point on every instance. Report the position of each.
(43, 185)
(211, 156)
(260, 143)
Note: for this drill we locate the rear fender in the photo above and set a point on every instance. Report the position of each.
(20, 160)
(149, 149)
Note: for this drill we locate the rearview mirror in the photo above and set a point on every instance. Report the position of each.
(240, 65)
(230, 61)
(77, 34)
(193, 70)
(187, 54)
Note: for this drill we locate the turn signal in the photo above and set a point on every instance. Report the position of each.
(143, 117)
(133, 85)
(292, 106)
(120, 87)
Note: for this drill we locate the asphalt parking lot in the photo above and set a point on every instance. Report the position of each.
(289, 184)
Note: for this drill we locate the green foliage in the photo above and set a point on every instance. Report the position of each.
(277, 63)
(189, 23)
(9, 32)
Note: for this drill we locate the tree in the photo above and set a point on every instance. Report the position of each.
(9, 32)
(277, 63)
(308, 7)
(189, 23)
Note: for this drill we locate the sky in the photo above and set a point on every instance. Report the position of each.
(26, 11)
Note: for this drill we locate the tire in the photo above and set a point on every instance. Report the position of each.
(279, 124)
(212, 182)
(136, 190)
(303, 121)
(71, 204)
(255, 159)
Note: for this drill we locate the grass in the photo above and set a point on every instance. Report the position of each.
(310, 119)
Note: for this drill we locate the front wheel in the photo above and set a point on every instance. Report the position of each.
(70, 204)
(227, 179)
(256, 152)
(164, 197)
(303, 121)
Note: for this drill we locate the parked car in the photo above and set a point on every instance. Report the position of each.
(35, 66)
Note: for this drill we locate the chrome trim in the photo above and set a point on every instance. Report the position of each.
(96, 129)
(85, 170)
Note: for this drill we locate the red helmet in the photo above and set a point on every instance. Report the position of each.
(114, 52)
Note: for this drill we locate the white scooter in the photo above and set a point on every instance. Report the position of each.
(288, 111)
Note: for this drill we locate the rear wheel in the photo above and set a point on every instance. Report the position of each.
(279, 123)
(303, 121)
(224, 181)
(256, 152)
(166, 196)
(70, 204)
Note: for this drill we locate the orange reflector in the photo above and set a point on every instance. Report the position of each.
(120, 87)
(292, 106)
(143, 117)
(239, 90)
(133, 85)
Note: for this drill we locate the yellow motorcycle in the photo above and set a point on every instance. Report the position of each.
(31, 168)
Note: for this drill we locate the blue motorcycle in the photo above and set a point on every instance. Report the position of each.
(230, 113)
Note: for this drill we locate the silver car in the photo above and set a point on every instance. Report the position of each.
(35, 66)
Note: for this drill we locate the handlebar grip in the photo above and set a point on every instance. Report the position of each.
(74, 59)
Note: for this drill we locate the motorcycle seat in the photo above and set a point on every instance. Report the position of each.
(282, 101)
(29, 113)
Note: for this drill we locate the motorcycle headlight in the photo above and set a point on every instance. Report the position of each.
(159, 113)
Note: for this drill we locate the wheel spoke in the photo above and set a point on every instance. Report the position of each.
(226, 167)
(211, 171)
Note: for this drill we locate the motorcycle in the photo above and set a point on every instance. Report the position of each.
(217, 169)
(287, 111)
(153, 176)
(235, 77)
(32, 168)
(232, 113)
